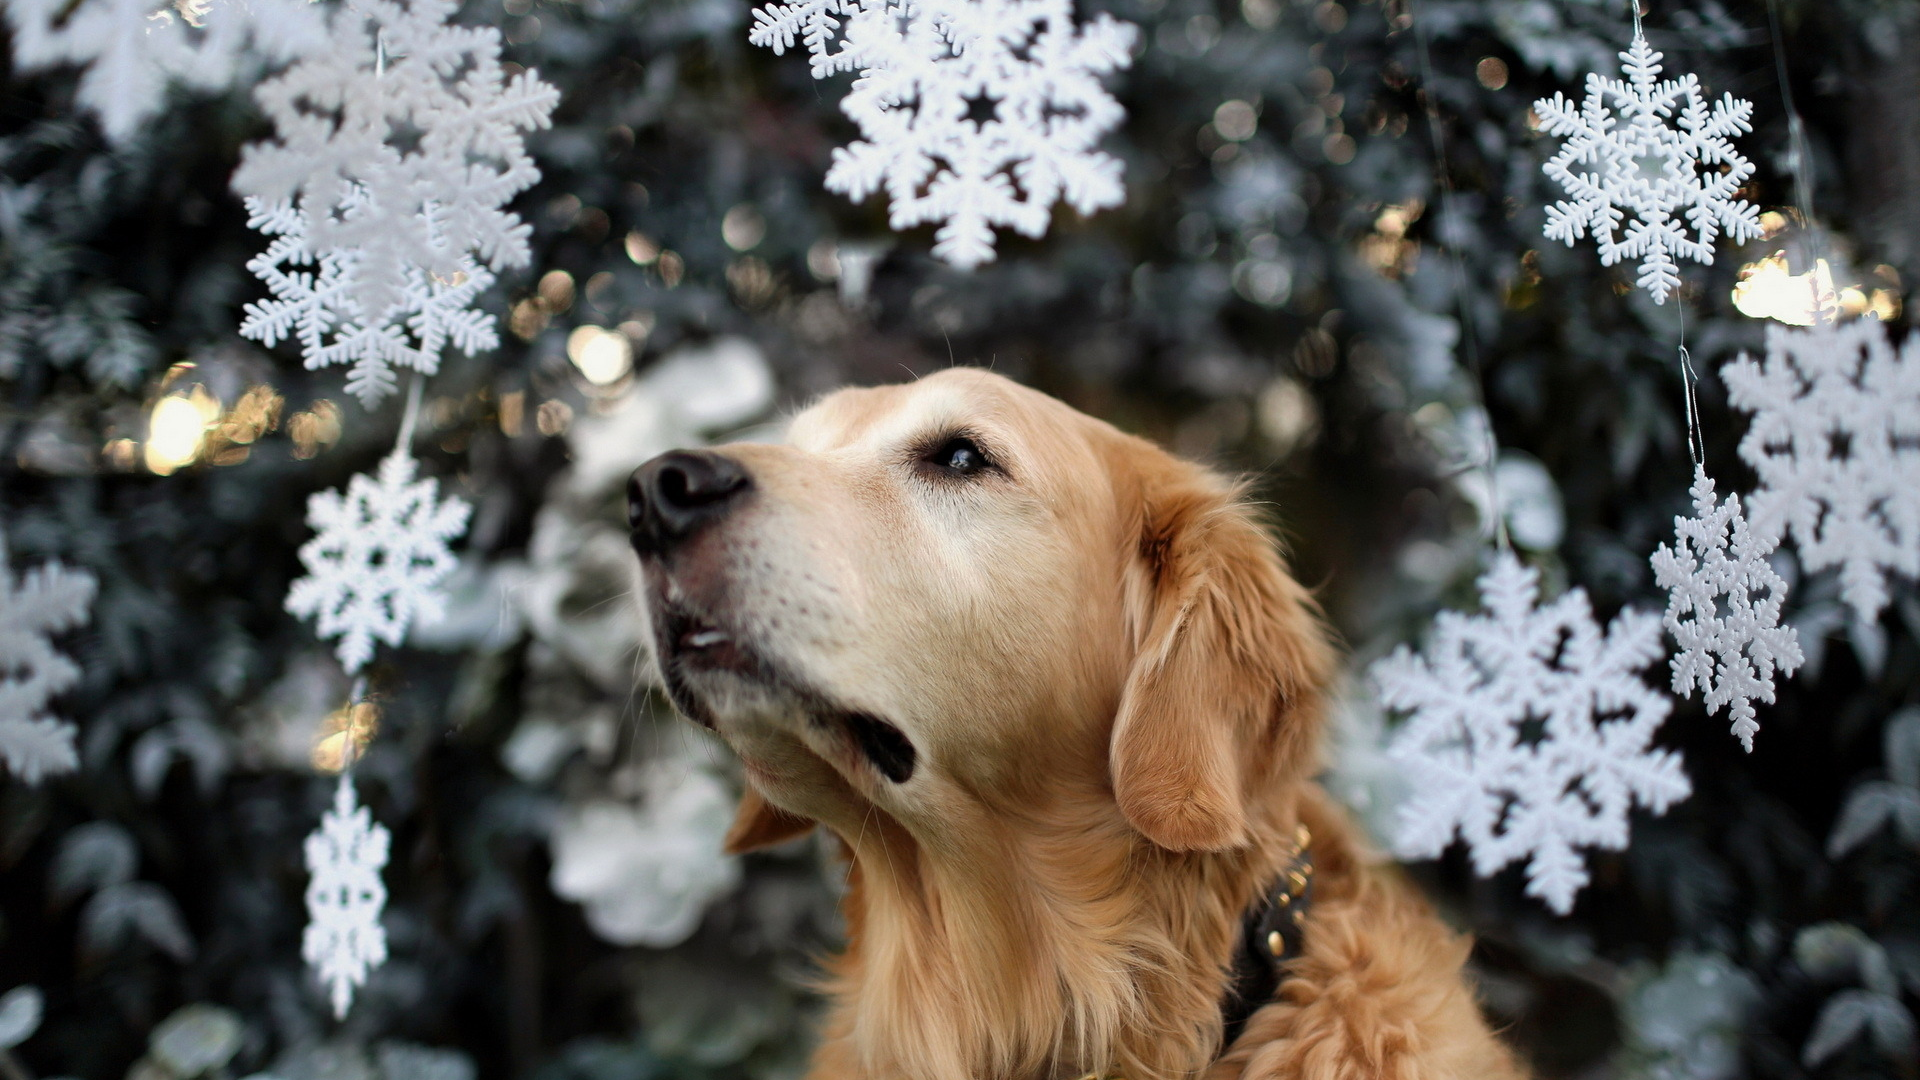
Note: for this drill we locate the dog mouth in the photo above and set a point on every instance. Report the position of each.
(692, 644)
(886, 747)
(696, 643)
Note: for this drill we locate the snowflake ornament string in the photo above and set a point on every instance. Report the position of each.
(40, 603)
(1671, 172)
(1723, 608)
(344, 940)
(313, 302)
(379, 556)
(972, 113)
(1835, 439)
(399, 141)
(1528, 732)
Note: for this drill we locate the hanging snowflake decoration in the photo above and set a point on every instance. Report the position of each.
(313, 302)
(401, 136)
(132, 49)
(1835, 440)
(972, 113)
(400, 140)
(345, 896)
(1723, 608)
(1673, 173)
(42, 602)
(378, 558)
(816, 24)
(1529, 732)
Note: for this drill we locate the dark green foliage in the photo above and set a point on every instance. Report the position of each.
(1250, 304)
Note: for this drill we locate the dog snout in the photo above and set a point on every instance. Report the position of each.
(674, 495)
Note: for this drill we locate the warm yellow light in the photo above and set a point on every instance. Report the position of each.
(529, 317)
(603, 356)
(641, 249)
(344, 736)
(513, 412)
(256, 413)
(176, 428)
(314, 430)
(1767, 291)
(553, 417)
(556, 291)
(1387, 248)
(122, 454)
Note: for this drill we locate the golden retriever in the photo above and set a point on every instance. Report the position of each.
(1057, 696)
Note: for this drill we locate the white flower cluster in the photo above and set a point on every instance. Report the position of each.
(645, 874)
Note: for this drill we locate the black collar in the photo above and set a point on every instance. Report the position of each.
(1272, 932)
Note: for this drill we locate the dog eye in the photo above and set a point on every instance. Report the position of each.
(960, 457)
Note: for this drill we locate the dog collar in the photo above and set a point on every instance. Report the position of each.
(1272, 933)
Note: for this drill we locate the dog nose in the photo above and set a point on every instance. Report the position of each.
(671, 496)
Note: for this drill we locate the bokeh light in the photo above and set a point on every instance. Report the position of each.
(344, 735)
(1767, 289)
(604, 356)
(176, 428)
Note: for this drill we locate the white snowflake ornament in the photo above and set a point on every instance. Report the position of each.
(379, 556)
(399, 141)
(1674, 173)
(314, 302)
(1528, 732)
(1723, 608)
(344, 940)
(44, 601)
(972, 113)
(401, 138)
(1835, 440)
(815, 23)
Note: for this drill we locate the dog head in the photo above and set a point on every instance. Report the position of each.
(946, 605)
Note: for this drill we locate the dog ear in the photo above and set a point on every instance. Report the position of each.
(759, 824)
(1224, 689)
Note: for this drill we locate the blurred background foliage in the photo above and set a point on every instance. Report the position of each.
(1283, 293)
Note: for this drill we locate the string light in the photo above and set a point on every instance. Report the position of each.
(177, 427)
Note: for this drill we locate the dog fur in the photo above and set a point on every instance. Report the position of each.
(1115, 690)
